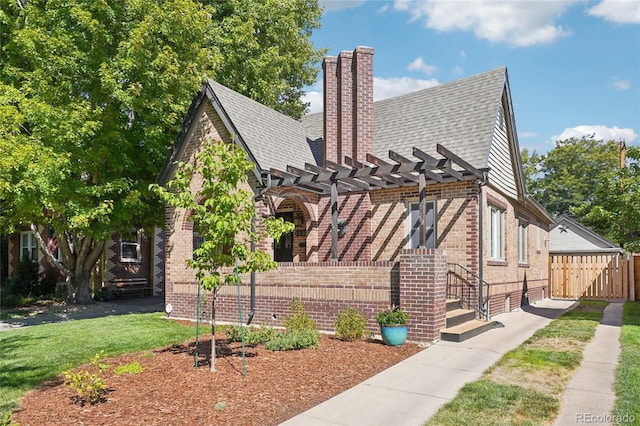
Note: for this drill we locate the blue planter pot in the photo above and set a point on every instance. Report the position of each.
(393, 335)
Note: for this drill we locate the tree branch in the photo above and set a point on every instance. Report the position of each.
(47, 253)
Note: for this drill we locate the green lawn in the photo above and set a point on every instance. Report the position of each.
(33, 355)
(627, 385)
(525, 386)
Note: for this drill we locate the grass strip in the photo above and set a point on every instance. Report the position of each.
(627, 384)
(525, 386)
(33, 355)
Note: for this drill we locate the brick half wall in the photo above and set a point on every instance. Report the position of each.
(423, 288)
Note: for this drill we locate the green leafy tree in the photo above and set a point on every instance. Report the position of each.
(92, 93)
(565, 177)
(222, 211)
(268, 55)
(615, 210)
(582, 178)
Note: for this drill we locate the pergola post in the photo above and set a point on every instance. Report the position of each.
(334, 221)
(422, 205)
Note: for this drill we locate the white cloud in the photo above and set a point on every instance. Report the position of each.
(599, 132)
(335, 5)
(617, 11)
(383, 9)
(621, 84)
(419, 65)
(457, 70)
(314, 98)
(383, 88)
(521, 23)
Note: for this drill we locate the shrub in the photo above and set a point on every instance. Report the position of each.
(89, 387)
(252, 335)
(131, 368)
(294, 339)
(392, 316)
(299, 318)
(351, 325)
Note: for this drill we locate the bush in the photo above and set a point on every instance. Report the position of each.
(299, 319)
(89, 387)
(294, 339)
(252, 335)
(392, 316)
(351, 325)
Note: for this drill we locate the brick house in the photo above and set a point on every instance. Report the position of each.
(129, 256)
(411, 200)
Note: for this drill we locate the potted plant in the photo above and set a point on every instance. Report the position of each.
(393, 325)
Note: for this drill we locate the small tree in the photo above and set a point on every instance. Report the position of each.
(222, 212)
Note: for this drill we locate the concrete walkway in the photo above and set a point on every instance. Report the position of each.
(99, 309)
(589, 396)
(412, 391)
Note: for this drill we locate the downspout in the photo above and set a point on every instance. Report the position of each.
(252, 311)
(482, 182)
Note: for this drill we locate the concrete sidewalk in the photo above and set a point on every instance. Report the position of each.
(99, 309)
(412, 391)
(589, 396)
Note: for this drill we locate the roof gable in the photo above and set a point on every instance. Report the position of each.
(568, 236)
(459, 115)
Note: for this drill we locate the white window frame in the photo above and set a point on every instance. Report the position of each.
(413, 230)
(496, 233)
(29, 244)
(130, 242)
(523, 241)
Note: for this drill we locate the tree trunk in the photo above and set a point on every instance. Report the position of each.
(78, 292)
(213, 332)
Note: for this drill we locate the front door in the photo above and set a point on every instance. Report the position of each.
(283, 249)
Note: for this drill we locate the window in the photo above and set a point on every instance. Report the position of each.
(53, 247)
(197, 242)
(28, 246)
(130, 246)
(496, 233)
(413, 224)
(522, 242)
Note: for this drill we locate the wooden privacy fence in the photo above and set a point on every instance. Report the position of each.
(591, 276)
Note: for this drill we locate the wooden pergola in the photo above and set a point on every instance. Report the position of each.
(354, 177)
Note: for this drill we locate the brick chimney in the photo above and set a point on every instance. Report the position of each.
(348, 105)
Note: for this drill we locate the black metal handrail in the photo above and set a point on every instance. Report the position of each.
(464, 285)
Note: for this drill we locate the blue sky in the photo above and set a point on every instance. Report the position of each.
(574, 66)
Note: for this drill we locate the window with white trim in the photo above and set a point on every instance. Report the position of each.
(130, 246)
(496, 233)
(28, 246)
(413, 224)
(522, 242)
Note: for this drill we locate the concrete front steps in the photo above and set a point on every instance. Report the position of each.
(461, 323)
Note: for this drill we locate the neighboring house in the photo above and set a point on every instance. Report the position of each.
(390, 201)
(568, 237)
(130, 256)
(585, 265)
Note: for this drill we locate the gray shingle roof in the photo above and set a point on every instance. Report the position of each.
(459, 115)
(274, 139)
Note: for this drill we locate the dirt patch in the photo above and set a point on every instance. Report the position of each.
(170, 390)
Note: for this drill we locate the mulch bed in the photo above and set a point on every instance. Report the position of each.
(170, 390)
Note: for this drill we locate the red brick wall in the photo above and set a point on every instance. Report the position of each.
(325, 288)
(423, 284)
(417, 284)
(355, 245)
(509, 279)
